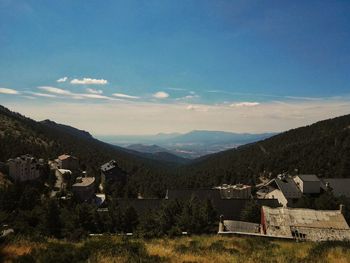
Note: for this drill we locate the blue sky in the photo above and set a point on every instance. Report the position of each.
(175, 56)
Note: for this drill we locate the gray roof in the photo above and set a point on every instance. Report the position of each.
(308, 177)
(288, 187)
(109, 166)
(340, 186)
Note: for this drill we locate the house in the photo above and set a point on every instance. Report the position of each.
(110, 171)
(339, 186)
(308, 183)
(84, 188)
(284, 189)
(60, 180)
(68, 162)
(24, 168)
(228, 191)
(304, 224)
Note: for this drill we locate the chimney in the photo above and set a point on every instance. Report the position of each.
(342, 208)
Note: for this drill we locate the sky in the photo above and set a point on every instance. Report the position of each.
(144, 67)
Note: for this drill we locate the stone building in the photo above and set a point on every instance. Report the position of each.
(24, 168)
(304, 224)
(68, 162)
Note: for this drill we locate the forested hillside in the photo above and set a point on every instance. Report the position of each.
(322, 148)
(20, 135)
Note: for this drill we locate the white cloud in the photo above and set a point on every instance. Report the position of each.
(29, 97)
(161, 95)
(89, 81)
(245, 104)
(94, 91)
(39, 94)
(64, 79)
(95, 96)
(124, 96)
(8, 91)
(55, 90)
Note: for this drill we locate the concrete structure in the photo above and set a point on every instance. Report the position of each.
(24, 168)
(84, 188)
(308, 183)
(68, 162)
(304, 224)
(228, 191)
(238, 227)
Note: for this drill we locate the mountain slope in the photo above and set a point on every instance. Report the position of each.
(20, 135)
(322, 148)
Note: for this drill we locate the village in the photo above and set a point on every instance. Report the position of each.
(278, 198)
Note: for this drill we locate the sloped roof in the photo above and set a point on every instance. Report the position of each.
(308, 177)
(109, 166)
(85, 181)
(65, 156)
(301, 217)
(288, 187)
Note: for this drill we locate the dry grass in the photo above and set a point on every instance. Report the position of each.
(199, 249)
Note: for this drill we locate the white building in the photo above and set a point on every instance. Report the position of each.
(24, 168)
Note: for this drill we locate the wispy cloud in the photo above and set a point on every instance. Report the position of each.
(160, 95)
(95, 96)
(177, 89)
(64, 79)
(8, 91)
(89, 81)
(45, 95)
(245, 104)
(68, 94)
(124, 96)
(55, 90)
(94, 91)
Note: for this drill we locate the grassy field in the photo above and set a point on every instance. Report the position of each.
(183, 249)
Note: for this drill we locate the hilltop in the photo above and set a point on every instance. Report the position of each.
(322, 148)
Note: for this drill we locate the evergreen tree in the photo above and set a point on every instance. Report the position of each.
(52, 219)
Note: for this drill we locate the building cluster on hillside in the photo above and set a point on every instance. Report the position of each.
(287, 189)
(277, 198)
(287, 221)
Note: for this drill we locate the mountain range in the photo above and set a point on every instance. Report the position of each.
(190, 145)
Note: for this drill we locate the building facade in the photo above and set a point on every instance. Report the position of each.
(308, 183)
(68, 162)
(24, 168)
(84, 188)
